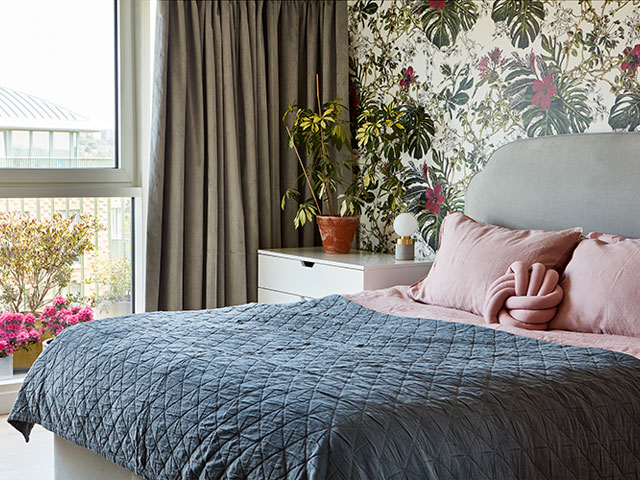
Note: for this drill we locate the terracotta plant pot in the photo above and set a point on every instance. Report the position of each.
(337, 232)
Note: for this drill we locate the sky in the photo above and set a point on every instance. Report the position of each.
(61, 51)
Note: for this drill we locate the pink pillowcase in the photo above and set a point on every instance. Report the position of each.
(472, 255)
(601, 285)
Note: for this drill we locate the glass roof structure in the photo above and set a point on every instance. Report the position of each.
(21, 111)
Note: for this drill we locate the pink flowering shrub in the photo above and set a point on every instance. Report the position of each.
(17, 331)
(61, 314)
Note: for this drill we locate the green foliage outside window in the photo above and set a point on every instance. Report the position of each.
(37, 256)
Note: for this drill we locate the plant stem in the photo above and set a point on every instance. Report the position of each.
(304, 170)
(326, 184)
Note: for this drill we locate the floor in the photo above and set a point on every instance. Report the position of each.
(21, 460)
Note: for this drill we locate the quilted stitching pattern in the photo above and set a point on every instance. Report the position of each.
(329, 389)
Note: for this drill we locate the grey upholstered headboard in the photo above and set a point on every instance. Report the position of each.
(551, 183)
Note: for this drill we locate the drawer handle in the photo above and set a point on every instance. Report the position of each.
(307, 264)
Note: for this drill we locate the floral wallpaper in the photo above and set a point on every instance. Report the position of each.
(489, 72)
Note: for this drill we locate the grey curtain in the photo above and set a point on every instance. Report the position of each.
(225, 71)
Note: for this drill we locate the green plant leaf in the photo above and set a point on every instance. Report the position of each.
(443, 26)
(523, 18)
(625, 112)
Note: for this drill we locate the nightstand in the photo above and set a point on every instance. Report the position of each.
(294, 274)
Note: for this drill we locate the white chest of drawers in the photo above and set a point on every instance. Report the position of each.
(293, 274)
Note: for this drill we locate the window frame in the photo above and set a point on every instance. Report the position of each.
(125, 179)
(130, 178)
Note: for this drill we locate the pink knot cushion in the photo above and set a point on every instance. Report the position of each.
(524, 297)
(472, 254)
(601, 286)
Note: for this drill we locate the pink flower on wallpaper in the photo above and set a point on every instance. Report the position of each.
(483, 67)
(631, 60)
(437, 4)
(407, 77)
(496, 56)
(545, 90)
(434, 199)
(532, 61)
(354, 100)
(491, 62)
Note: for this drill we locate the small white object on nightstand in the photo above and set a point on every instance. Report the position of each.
(294, 274)
(405, 225)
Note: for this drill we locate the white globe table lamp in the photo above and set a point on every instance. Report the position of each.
(405, 225)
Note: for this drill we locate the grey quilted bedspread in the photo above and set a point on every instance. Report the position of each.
(330, 389)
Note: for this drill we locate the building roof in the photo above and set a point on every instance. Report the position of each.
(21, 111)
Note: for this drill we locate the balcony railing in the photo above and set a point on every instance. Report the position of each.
(56, 162)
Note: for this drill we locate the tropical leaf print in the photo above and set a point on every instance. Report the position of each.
(442, 20)
(457, 93)
(523, 18)
(420, 128)
(568, 67)
(625, 112)
(431, 192)
(550, 102)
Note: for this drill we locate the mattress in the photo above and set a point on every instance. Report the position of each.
(329, 388)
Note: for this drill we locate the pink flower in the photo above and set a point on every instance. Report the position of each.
(55, 319)
(354, 100)
(434, 199)
(532, 61)
(494, 55)
(491, 62)
(407, 77)
(59, 300)
(425, 171)
(86, 314)
(16, 331)
(437, 4)
(483, 67)
(545, 89)
(631, 60)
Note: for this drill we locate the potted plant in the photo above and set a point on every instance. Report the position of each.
(36, 262)
(17, 331)
(320, 135)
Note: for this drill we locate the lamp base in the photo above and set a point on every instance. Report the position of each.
(404, 251)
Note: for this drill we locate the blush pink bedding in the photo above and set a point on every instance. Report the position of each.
(472, 254)
(396, 301)
(601, 285)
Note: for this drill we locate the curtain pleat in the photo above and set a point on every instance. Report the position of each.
(225, 73)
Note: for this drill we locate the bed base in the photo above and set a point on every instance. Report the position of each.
(71, 462)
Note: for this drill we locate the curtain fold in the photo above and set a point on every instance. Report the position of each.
(225, 72)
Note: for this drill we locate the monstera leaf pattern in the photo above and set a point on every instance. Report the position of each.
(625, 112)
(443, 20)
(551, 102)
(489, 72)
(523, 18)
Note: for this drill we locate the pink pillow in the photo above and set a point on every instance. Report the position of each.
(472, 255)
(601, 285)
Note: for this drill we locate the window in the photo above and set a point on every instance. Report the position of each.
(74, 124)
(101, 276)
(73, 105)
(77, 96)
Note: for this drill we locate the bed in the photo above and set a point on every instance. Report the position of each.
(372, 385)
